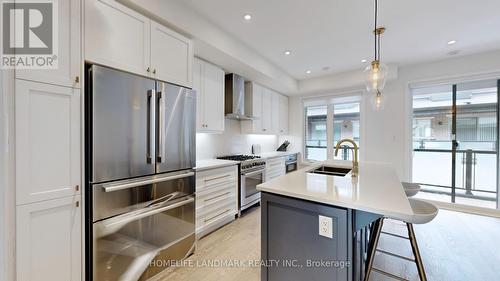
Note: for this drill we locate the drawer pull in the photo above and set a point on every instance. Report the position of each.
(218, 196)
(218, 215)
(216, 178)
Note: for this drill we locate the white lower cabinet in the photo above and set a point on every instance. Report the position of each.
(48, 243)
(216, 198)
(275, 167)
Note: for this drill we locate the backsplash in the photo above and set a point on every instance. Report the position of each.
(232, 142)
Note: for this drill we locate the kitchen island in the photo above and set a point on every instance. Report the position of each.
(315, 226)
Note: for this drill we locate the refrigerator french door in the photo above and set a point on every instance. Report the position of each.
(140, 155)
(139, 126)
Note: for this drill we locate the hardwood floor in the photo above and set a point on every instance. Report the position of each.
(454, 246)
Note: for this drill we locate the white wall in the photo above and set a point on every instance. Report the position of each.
(387, 133)
(231, 142)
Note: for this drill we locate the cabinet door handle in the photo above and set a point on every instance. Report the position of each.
(154, 71)
(77, 204)
(77, 187)
(148, 69)
(216, 178)
(77, 79)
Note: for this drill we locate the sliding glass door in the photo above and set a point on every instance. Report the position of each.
(455, 142)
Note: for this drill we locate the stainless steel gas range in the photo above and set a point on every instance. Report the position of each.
(252, 173)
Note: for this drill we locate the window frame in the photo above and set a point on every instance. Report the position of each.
(330, 101)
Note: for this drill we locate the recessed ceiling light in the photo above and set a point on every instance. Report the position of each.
(308, 72)
(452, 42)
(363, 61)
(247, 17)
(287, 52)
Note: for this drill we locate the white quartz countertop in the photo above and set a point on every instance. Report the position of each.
(213, 163)
(377, 188)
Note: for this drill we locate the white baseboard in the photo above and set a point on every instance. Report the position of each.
(465, 208)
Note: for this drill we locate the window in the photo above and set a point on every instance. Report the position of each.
(327, 121)
(316, 148)
(345, 125)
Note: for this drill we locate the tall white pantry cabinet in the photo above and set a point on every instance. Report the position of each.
(48, 160)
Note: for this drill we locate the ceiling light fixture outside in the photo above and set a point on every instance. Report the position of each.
(247, 17)
(363, 61)
(452, 42)
(308, 72)
(287, 53)
(376, 73)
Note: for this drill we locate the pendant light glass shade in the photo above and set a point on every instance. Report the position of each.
(375, 76)
(377, 100)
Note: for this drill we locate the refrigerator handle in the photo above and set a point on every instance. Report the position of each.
(160, 127)
(150, 128)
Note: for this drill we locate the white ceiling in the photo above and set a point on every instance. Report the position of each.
(338, 33)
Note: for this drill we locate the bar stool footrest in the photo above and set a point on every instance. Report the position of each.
(389, 274)
(395, 255)
(395, 235)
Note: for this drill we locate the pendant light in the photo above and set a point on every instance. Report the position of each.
(376, 73)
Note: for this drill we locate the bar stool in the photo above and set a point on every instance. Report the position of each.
(424, 212)
(411, 189)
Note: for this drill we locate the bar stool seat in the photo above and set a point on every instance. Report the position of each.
(424, 212)
(411, 189)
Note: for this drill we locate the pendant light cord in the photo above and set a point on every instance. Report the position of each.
(375, 28)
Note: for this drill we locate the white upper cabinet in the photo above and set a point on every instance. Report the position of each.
(283, 115)
(171, 56)
(47, 128)
(198, 87)
(208, 82)
(117, 36)
(68, 49)
(269, 108)
(275, 112)
(214, 97)
(266, 111)
(49, 240)
(120, 37)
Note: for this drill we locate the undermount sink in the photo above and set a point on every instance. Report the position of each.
(331, 171)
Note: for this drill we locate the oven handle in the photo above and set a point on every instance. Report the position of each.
(253, 173)
(115, 187)
(114, 224)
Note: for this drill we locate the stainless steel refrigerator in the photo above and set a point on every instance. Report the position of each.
(140, 155)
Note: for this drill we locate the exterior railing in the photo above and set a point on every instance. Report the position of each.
(475, 169)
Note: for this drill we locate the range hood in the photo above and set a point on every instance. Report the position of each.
(235, 98)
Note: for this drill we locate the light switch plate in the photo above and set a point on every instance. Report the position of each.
(325, 226)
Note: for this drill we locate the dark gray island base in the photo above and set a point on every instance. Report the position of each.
(292, 248)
